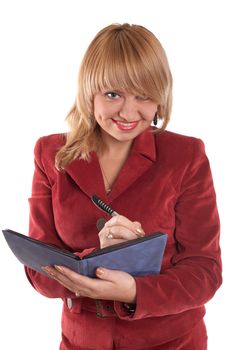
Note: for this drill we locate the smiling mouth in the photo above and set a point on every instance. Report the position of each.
(125, 126)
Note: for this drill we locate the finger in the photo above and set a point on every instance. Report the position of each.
(114, 235)
(86, 286)
(109, 241)
(139, 229)
(120, 220)
(60, 277)
(107, 274)
(78, 284)
(75, 278)
(70, 279)
(49, 270)
(119, 232)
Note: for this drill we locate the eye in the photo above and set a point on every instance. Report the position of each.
(112, 95)
(143, 98)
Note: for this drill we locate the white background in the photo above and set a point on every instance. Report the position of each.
(42, 43)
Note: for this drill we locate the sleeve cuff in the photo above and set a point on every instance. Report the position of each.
(124, 311)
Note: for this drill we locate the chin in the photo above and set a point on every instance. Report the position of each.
(126, 138)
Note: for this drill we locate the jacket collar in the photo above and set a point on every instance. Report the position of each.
(144, 144)
(88, 176)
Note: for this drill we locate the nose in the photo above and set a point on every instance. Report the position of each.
(128, 110)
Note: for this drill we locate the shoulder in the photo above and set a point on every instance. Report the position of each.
(178, 147)
(178, 140)
(46, 147)
(52, 141)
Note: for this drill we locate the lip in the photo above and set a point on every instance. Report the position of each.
(125, 126)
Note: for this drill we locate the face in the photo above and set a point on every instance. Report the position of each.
(123, 115)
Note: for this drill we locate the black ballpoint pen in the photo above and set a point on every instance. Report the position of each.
(103, 206)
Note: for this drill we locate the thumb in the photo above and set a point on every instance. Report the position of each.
(106, 274)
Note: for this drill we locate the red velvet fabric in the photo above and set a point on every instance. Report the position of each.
(166, 184)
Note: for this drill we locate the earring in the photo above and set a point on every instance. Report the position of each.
(155, 120)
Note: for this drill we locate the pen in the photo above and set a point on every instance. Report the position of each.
(103, 206)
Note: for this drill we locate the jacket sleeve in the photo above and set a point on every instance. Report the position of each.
(195, 271)
(42, 227)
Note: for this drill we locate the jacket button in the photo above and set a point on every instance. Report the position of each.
(69, 303)
(100, 223)
(108, 308)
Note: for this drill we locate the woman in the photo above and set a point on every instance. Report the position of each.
(157, 180)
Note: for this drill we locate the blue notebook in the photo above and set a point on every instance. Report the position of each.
(140, 256)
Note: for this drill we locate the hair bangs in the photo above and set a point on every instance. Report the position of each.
(121, 66)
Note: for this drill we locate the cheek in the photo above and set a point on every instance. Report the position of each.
(98, 111)
(151, 112)
(102, 112)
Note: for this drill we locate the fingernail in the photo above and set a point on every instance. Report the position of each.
(59, 268)
(139, 232)
(48, 271)
(99, 271)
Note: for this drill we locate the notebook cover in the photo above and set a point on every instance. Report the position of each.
(138, 257)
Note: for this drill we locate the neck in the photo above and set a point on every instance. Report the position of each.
(112, 159)
(113, 147)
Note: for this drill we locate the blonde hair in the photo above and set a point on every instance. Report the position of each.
(123, 56)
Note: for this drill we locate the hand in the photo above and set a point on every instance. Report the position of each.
(119, 229)
(110, 284)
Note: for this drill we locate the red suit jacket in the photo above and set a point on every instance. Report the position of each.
(166, 184)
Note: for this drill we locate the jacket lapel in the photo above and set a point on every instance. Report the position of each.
(87, 175)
